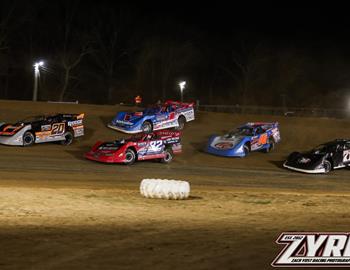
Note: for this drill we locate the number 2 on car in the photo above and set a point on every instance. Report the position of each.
(57, 129)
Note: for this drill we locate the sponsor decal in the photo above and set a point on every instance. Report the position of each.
(224, 145)
(124, 122)
(313, 249)
(304, 160)
(45, 127)
(75, 123)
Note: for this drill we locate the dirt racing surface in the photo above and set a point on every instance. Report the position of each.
(60, 211)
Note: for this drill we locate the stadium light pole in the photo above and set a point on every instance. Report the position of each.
(182, 87)
(36, 66)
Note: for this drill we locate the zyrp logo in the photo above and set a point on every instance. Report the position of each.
(314, 249)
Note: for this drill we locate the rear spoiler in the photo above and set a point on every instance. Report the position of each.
(80, 116)
(274, 124)
(184, 104)
(76, 115)
(167, 133)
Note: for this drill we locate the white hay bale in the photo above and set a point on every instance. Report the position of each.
(165, 189)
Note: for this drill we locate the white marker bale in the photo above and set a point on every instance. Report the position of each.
(165, 189)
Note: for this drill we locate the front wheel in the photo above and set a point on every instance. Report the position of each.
(69, 137)
(146, 127)
(327, 166)
(28, 138)
(130, 157)
(271, 144)
(246, 150)
(168, 156)
(181, 123)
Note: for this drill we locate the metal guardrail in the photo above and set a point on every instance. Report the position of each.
(64, 102)
(306, 112)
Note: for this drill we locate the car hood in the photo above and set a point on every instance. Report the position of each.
(306, 159)
(10, 129)
(109, 147)
(128, 118)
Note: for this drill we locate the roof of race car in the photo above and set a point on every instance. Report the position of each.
(41, 117)
(255, 125)
(336, 141)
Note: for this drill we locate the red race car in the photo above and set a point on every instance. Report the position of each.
(160, 145)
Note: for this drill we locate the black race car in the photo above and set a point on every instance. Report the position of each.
(43, 128)
(324, 158)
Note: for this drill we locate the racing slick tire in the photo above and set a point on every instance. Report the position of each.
(169, 155)
(28, 138)
(69, 137)
(146, 127)
(165, 189)
(271, 143)
(246, 150)
(181, 121)
(130, 157)
(327, 166)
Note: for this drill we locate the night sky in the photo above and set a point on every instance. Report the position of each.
(229, 53)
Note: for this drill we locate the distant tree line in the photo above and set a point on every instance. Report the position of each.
(96, 52)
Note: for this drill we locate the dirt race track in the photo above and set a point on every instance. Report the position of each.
(60, 211)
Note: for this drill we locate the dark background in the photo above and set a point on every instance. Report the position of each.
(107, 52)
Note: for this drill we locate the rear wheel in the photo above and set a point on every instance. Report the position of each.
(168, 157)
(69, 137)
(28, 138)
(130, 157)
(327, 166)
(181, 123)
(147, 127)
(271, 144)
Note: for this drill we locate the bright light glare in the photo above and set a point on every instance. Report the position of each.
(38, 64)
(182, 85)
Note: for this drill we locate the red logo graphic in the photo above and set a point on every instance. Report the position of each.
(224, 145)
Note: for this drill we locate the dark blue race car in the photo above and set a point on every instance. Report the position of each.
(167, 115)
(247, 138)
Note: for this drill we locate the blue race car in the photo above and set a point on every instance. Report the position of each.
(167, 115)
(247, 138)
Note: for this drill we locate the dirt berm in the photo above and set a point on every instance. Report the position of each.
(60, 211)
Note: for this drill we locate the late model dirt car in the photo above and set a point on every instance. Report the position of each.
(256, 136)
(43, 128)
(322, 159)
(161, 145)
(170, 114)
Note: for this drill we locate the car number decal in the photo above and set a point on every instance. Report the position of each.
(58, 129)
(346, 156)
(155, 146)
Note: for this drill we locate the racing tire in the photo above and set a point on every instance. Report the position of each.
(130, 157)
(69, 137)
(146, 127)
(169, 155)
(165, 189)
(181, 121)
(246, 150)
(271, 146)
(327, 166)
(28, 138)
